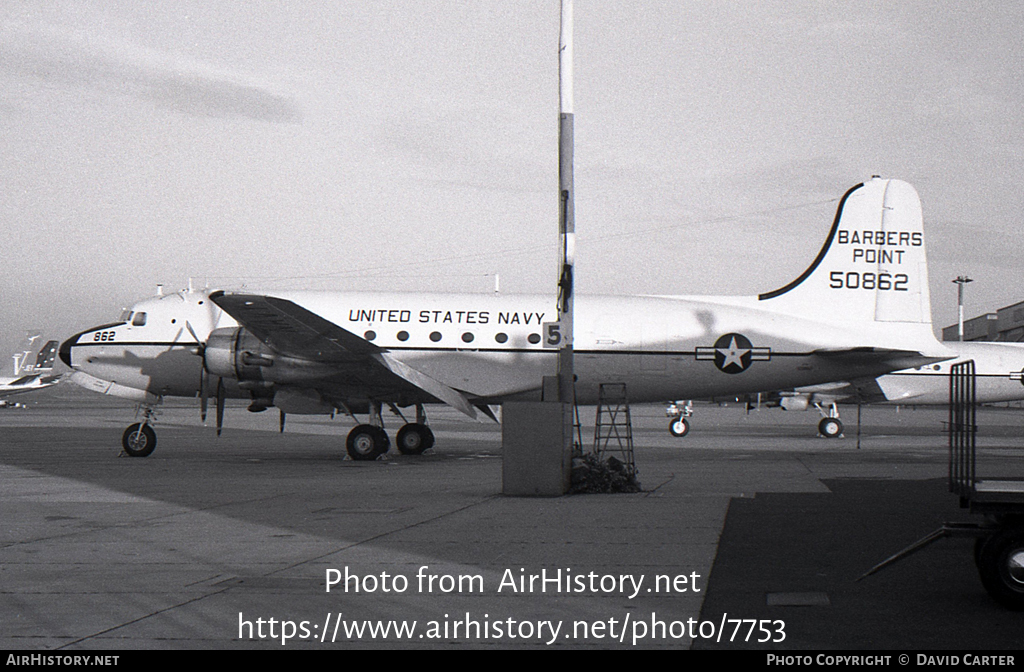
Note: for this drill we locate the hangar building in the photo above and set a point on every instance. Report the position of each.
(1006, 325)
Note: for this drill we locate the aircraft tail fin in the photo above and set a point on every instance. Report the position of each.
(872, 267)
(47, 357)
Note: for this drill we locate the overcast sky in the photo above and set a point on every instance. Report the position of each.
(412, 144)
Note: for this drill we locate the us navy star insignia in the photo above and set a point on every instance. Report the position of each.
(733, 353)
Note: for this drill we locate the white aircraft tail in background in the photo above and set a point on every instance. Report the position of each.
(32, 368)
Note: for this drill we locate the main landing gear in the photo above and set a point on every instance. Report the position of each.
(369, 441)
(139, 440)
(830, 426)
(679, 411)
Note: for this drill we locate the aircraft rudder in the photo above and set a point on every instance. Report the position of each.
(872, 266)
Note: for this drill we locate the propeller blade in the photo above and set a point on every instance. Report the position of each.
(202, 346)
(220, 404)
(204, 394)
(282, 422)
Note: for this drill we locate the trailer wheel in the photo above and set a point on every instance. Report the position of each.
(1001, 567)
(979, 543)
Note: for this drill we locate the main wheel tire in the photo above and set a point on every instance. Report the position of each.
(414, 438)
(366, 442)
(138, 440)
(1001, 567)
(830, 428)
(679, 427)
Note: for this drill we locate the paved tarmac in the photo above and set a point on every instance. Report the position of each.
(219, 543)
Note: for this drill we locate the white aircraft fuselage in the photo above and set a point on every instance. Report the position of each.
(491, 347)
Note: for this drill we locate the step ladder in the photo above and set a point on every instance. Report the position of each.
(613, 428)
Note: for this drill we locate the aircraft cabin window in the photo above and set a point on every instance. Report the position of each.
(533, 338)
(370, 335)
(435, 336)
(467, 337)
(139, 320)
(501, 337)
(403, 335)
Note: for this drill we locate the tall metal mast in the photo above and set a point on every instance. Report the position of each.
(566, 223)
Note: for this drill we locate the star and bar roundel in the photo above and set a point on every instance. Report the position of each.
(733, 353)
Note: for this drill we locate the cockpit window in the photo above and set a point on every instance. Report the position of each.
(126, 315)
(139, 320)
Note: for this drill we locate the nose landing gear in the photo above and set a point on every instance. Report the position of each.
(139, 439)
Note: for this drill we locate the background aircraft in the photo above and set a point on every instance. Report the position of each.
(860, 309)
(30, 373)
(999, 378)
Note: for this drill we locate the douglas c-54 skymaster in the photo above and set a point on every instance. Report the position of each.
(860, 309)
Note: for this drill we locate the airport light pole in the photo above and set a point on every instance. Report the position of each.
(566, 221)
(960, 281)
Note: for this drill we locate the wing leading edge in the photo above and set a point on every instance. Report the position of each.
(294, 331)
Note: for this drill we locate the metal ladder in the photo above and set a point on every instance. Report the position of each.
(614, 422)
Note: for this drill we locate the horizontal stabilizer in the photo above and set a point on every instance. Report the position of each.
(874, 357)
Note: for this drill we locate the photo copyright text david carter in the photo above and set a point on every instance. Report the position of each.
(627, 628)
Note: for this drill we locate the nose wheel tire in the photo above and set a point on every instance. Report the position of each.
(414, 438)
(138, 440)
(830, 428)
(366, 442)
(679, 427)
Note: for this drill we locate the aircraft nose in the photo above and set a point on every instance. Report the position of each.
(65, 349)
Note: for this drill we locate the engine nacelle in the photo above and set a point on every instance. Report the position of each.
(233, 352)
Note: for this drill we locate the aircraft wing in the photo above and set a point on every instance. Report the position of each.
(292, 330)
(28, 383)
(860, 390)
